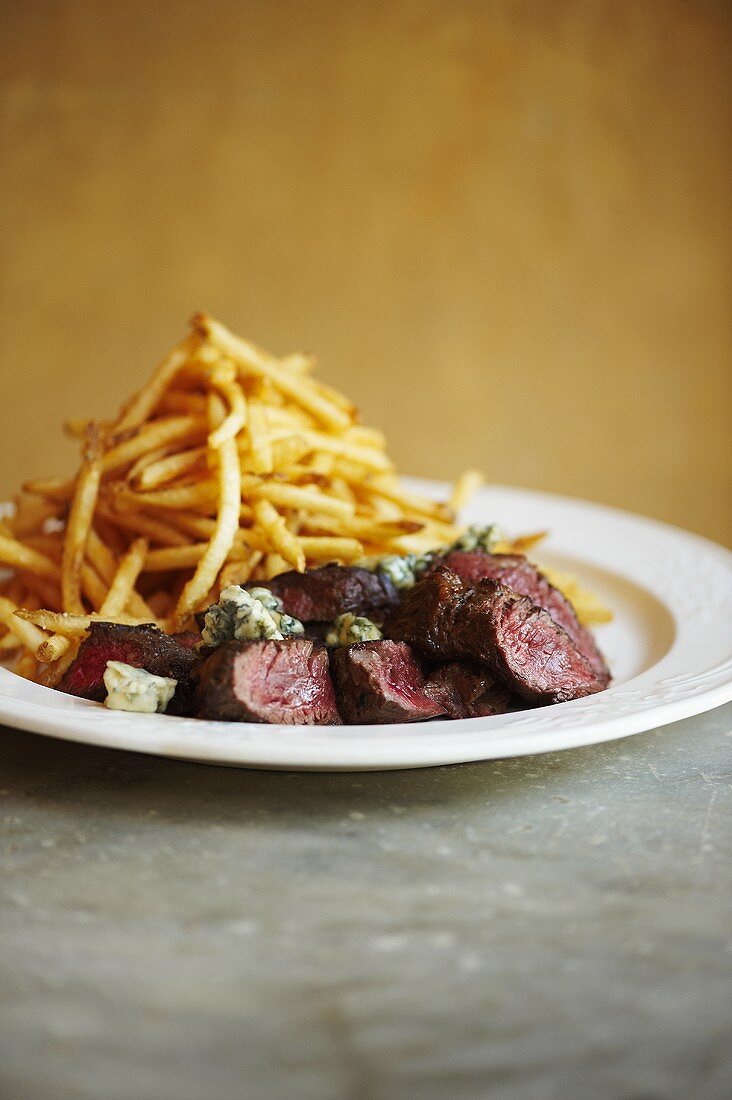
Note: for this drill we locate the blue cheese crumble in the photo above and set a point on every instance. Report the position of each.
(248, 616)
(130, 688)
(347, 629)
(478, 538)
(403, 570)
(400, 569)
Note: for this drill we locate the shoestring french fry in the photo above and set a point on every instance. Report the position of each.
(27, 666)
(239, 572)
(174, 429)
(274, 564)
(54, 488)
(287, 418)
(75, 428)
(167, 468)
(145, 460)
(93, 587)
(94, 590)
(253, 361)
(166, 558)
(330, 548)
(360, 456)
(284, 542)
(590, 610)
(299, 363)
(466, 486)
(19, 556)
(261, 456)
(308, 499)
(390, 488)
(227, 522)
(100, 556)
(71, 626)
(80, 519)
(27, 633)
(124, 580)
(153, 528)
(223, 377)
(178, 401)
(522, 543)
(50, 674)
(109, 601)
(142, 404)
(176, 498)
(287, 451)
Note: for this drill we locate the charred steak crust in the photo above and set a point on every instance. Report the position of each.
(428, 613)
(380, 682)
(444, 618)
(516, 572)
(319, 595)
(281, 682)
(466, 690)
(140, 646)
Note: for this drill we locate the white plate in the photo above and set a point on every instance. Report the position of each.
(669, 648)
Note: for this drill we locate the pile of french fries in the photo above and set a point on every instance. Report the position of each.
(230, 465)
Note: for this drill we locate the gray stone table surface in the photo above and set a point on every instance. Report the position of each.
(548, 927)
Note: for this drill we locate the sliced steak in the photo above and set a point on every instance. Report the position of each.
(467, 691)
(445, 618)
(319, 595)
(380, 682)
(140, 646)
(427, 614)
(516, 572)
(281, 682)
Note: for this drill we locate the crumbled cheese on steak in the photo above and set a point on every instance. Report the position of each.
(248, 616)
(399, 569)
(347, 629)
(403, 570)
(266, 598)
(478, 538)
(135, 689)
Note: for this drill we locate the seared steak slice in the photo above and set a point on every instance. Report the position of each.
(427, 614)
(517, 573)
(467, 691)
(282, 682)
(444, 618)
(319, 595)
(380, 682)
(140, 646)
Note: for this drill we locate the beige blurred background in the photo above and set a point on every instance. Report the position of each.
(503, 226)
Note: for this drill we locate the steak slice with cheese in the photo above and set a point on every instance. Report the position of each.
(283, 682)
(140, 646)
(445, 619)
(380, 682)
(320, 595)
